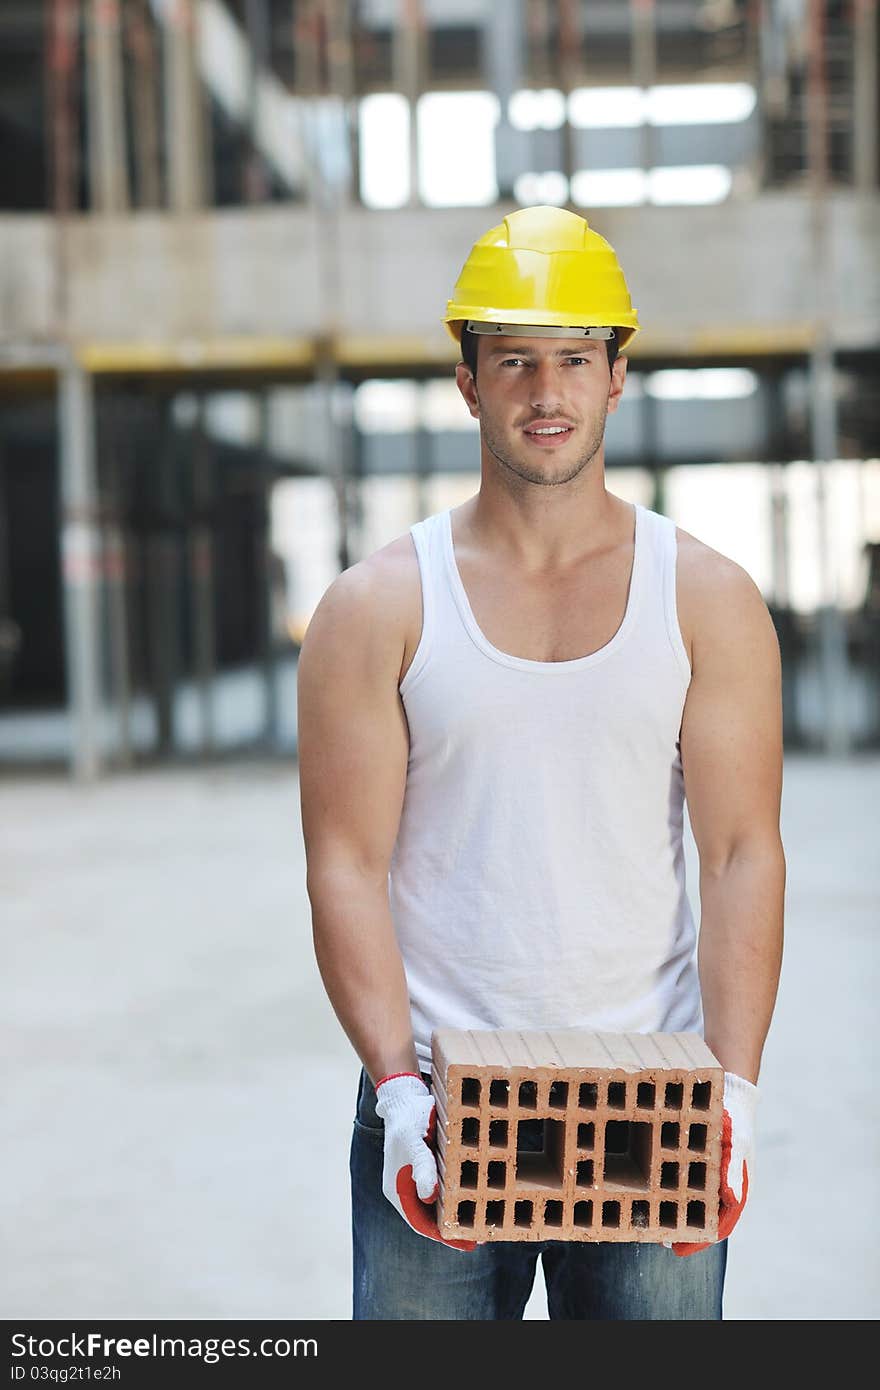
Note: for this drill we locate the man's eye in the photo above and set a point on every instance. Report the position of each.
(577, 360)
(508, 360)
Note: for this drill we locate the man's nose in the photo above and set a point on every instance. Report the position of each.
(544, 389)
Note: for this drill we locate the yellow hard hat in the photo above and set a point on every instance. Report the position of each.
(542, 266)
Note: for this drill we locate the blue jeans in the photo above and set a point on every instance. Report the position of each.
(399, 1274)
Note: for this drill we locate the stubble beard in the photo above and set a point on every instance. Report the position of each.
(510, 458)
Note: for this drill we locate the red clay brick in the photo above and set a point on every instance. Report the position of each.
(625, 1128)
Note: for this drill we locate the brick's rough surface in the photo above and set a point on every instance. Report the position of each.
(574, 1135)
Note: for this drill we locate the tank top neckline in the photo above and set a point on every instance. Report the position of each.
(525, 663)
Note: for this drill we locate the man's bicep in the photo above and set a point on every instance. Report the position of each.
(731, 732)
(352, 735)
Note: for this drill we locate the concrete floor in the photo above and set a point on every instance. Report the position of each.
(178, 1093)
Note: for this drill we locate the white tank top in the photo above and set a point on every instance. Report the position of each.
(537, 879)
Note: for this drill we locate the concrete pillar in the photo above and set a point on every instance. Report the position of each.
(163, 587)
(145, 136)
(658, 490)
(504, 50)
(186, 136)
(353, 456)
(256, 17)
(62, 21)
(337, 465)
(201, 575)
(785, 619)
(540, 66)
(643, 66)
(342, 84)
(832, 640)
(81, 567)
(408, 69)
(647, 405)
(780, 557)
(116, 581)
(866, 113)
(424, 462)
(833, 654)
(108, 173)
(570, 37)
(268, 654)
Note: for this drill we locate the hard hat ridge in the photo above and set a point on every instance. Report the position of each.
(542, 265)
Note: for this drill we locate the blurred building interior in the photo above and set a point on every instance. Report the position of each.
(228, 229)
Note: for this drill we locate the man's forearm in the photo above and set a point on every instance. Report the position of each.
(362, 970)
(740, 955)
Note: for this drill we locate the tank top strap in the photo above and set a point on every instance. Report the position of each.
(427, 538)
(666, 553)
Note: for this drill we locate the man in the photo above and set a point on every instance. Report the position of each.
(500, 714)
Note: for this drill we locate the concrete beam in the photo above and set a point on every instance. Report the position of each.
(702, 278)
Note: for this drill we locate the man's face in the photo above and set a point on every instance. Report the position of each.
(526, 387)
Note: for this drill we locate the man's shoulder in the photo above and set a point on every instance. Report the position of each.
(390, 574)
(375, 601)
(713, 576)
(718, 600)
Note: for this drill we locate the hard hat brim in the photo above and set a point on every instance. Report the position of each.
(457, 315)
(541, 330)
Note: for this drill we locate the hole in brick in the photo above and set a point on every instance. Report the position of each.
(611, 1214)
(469, 1174)
(669, 1215)
(466, 1213)
(697, 1175)
(499, 1092)
(669, 1175)
(586, 1136)
(558, 1095)
(585, 1173)
(617, 1094)
(645, 1095)
(470, 1132)
(494, 1213)
(696, 1214)
(669, 1135)
(539, 1152)
(530, 1136)
(497, 1134)
(470, 1090)
(702, 1095)
(588, 1095)
(528, 1095)
(641, 1214)
(583, 1214)
(552, 1213)
(628, 1153)
(697, 1138)
(522, 1214)
(497, 1174)
(674, 1095)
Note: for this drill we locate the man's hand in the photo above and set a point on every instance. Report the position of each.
(737, 1147)
(409, 1177)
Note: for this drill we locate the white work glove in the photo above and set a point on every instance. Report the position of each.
(737, 1155)
(409, 1175)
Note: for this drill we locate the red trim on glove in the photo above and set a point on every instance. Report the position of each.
(392, 1074)
(417, 1213)
(729, 1209)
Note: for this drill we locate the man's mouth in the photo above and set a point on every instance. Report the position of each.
(549, 432)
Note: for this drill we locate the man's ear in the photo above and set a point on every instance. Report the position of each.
(615, 390)
(466, 383)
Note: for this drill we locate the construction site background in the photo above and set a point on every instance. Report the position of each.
(228, 229)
